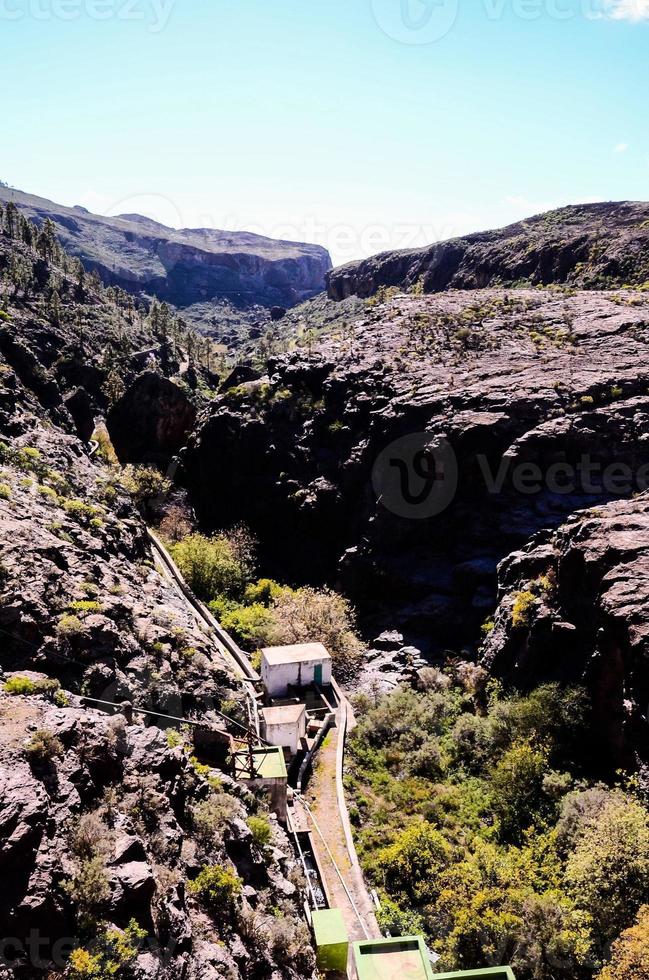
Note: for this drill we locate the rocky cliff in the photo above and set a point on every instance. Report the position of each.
(593, 246)
(184, 267)
(107, 826)
(574, 608)
(521, 401)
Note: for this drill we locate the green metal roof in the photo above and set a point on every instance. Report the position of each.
(268, 764)
(329, 927)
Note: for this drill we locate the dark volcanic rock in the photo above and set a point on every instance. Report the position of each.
(96, 816)
(536, 378)
(590, 246)
(151, 421)
(588, 623)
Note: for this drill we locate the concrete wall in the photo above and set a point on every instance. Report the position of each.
(277, 792)
(287, 735)
(278, 677)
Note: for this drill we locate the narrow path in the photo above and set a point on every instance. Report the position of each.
(325, 799)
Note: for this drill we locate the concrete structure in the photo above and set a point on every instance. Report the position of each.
(268, 774)
(284, 725)
(386, 959)
(331, 940)
(493, 973)
(294, 666)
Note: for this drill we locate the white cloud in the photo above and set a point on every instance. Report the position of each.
(634, 11)
(620, 148)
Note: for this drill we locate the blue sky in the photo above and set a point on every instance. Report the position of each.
(359, 124)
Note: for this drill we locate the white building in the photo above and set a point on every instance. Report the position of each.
(294, 666)
(284, 725)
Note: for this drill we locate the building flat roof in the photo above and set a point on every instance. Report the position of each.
(298, 653)
(283, 714)
(329, 927)
(269, 764)
(385, 959)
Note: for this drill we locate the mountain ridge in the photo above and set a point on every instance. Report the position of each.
(588, 246)
(182, 266)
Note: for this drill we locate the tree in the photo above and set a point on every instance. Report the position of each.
(608, 870)
(412, 866)
(47, 244)
(630, 953)
(517, 784)
(11, 219)
(318, 616)
(55, 308)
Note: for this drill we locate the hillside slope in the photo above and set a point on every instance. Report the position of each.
(104, 825)
(590, 246)
(187, 266)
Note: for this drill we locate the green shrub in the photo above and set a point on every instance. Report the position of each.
(69, 625)
(26, 686)
(517, 785)
(80, 511)
(608, 870)
(265, 591)
(144, 483)
(523, 609)
(5, 491)
(109, 956)
(211, 816)
(251, 626)
(412, 866)
(49, 493)
(28, 459)
(43, 747)
(85, 606)
(261, 830)
(216, 887)
(174, 738)
(397, 921)
(20, 685)
(210, 566)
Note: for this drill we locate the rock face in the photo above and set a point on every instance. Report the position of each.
(99, 819)
(504, 381)
(117, 803)
(187, 266)
(588, 622)
(151, 421)
(593, 246)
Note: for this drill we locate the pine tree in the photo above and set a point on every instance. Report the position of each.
(55, 308)
(11, 219)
